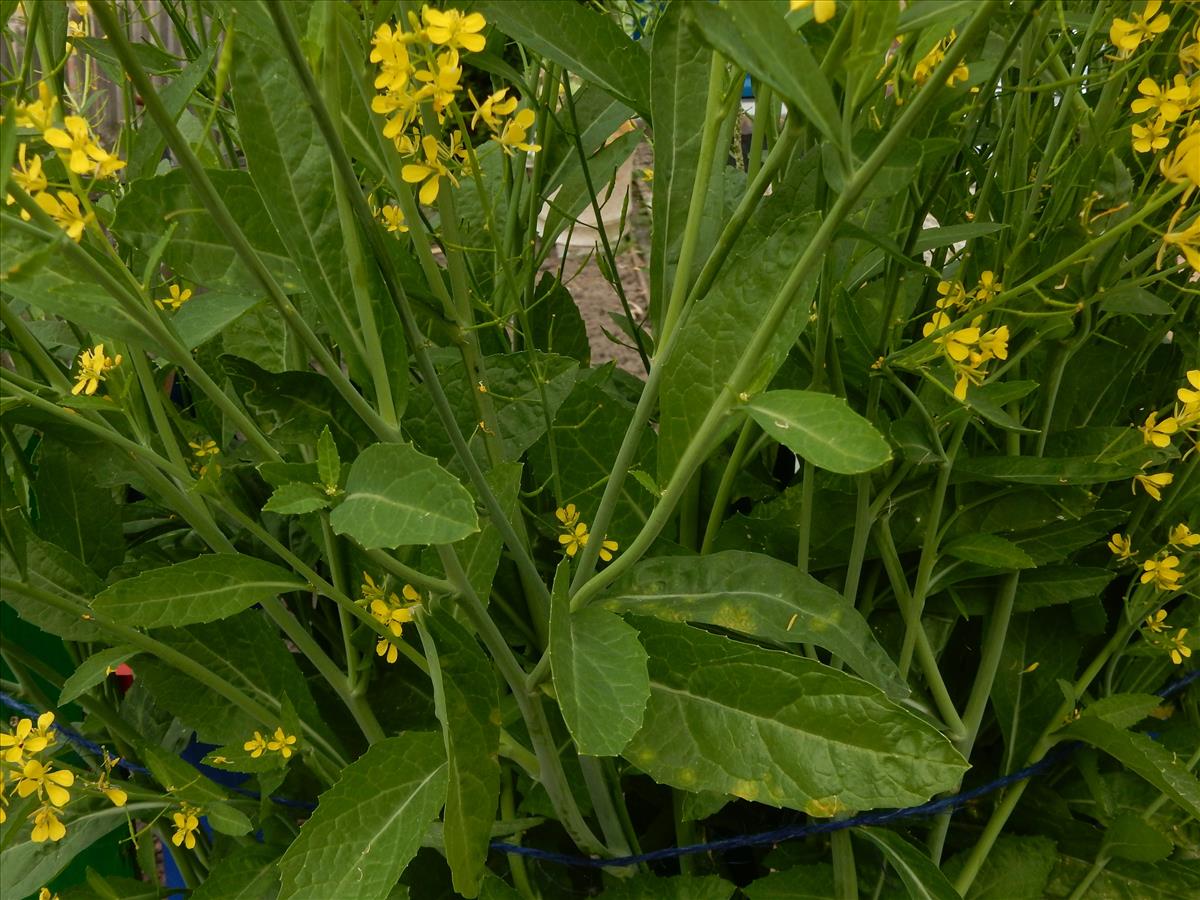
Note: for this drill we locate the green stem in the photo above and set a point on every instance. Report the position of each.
(229, 227)
(713, 118)
(716, 515)
(845, 875)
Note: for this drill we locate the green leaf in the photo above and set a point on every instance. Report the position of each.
(246, 651)
(757, 38)
(48, 567)
(919, 873)
(248, 873)
(329, 464)
(227, 819)
(25, 866)
(804, 882)
(780, 729)
(714, 336)
(203, 589)
(293, 406)
(645, 886)
(944, 236)
(679, 74)
(1131, 837)
(155, 60)
(822, 429)
(199, 252)
(555, 323)
(291, 165)
(1126, 880)
(180, 779)
(989, 550)
(368, 826)
(75, 512)
(759, 596)
(600, 674)
(1131, 300)
(1141, 755)
(296, 498)
(93, 671)
(1040, 470)
(148, 140)
(587, 42)
(1016, 869)
(1123, 710)
(397, 496)
(467, 700)
(207, 315)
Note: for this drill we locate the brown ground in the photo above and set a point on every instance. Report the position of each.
(595, 297)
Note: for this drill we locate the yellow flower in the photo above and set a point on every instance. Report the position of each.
(960, 73)
(1187, 240)
(1178, 649)
(428, 173)
(1153, 136)
(39, 113)
(1166, 101)
(391, 614)
(106, 163)
(1126, 36)
(515, 132)
(65, 212)
(607, 549)
(44, 893)
(393, 218)
(957, 344)
(1153, 484)
(575, 539)
(1183, 537)
(206, 447)
(76, 141)
(492, 109)
(1157, 622)
(1190, 396)
(371, 590)
(1158, 433)
(41, 778)
(994, 343)
(115, 795)
(952, 293)
(24, 739)
(256, 746)
(389, 50)
(441, 83)
(93, 366)
(967, 374)
(46, 826)
(186, 824)
(176, 299)
(28, 176)
(282, 742)
(823, 10)
(567, 515)
(1183, 162)
(1163, 572)
(3, 797)
(401, 108)
(454, 29)
(1121, 546)
(988, 286)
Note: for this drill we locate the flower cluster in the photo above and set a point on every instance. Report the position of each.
(1157, 633)
(575, 535)
(1160, 433)
(78, 149)
(419, 79)
(969, 349)
(22, 762)
(94, 367)
(389, 611)
(187, 823)
(280, 742)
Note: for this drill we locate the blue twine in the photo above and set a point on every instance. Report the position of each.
(775, 836)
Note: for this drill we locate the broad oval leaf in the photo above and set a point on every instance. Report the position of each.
(203, 589)
(989, 550)
(780, 729)
(760, 596)
(822, 429)
(396, 495)
(369, 825)
(600, 674)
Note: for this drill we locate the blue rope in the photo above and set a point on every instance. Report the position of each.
(775, 836)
